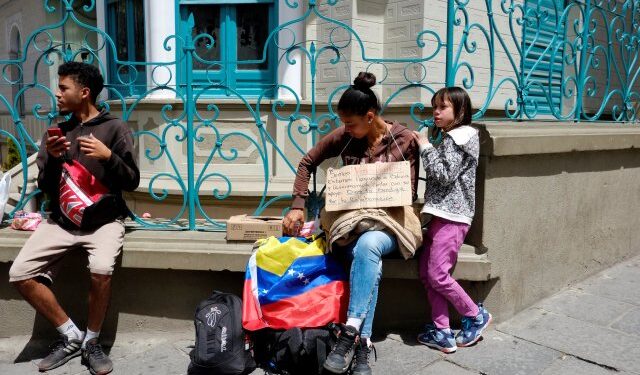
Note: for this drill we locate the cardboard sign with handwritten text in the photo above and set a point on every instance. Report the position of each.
(368, 186)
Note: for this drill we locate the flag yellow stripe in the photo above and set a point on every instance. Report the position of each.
(276, 257)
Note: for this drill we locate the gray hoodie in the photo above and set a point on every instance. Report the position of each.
(451, 175)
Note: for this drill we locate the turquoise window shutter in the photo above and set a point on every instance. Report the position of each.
(543, 68)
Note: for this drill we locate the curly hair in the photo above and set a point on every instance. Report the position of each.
(86, 75)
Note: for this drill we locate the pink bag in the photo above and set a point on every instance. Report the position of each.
(310, 228)
(26, 220)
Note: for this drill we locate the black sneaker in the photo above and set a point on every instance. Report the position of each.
(94, 358)
(361, 364)
(339, 359)
(60, 353)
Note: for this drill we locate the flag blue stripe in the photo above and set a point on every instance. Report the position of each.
(315, 271)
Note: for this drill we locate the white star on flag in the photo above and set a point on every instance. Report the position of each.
(264, 291)
(306, 281)
(291, 272)
(300, 275)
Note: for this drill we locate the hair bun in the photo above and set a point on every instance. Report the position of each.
(364, 80)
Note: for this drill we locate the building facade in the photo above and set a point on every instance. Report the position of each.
(226, 96)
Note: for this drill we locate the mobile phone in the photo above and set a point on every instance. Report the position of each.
(54, 132)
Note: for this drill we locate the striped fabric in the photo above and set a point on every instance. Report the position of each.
(291, 282)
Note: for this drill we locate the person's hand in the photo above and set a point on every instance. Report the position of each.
(92, 147)
(292, 223)
(421, 138)
(57, 146)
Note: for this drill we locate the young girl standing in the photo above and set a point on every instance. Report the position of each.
(449, 203)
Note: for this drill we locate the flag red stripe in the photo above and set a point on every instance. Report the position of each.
(315, 308)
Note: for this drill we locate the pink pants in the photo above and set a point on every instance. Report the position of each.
(441, 245)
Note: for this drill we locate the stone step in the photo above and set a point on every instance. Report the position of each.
(9, 206)
(14, 198)
(210, 251)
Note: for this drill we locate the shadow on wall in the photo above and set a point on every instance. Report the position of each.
(474, 236)
(147, 297)
(403, 307)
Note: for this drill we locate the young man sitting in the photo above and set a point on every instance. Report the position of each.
(103, 145)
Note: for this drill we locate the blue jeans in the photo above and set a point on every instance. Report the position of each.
(365, 255)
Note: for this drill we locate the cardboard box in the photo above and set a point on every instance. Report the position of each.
(251, 228)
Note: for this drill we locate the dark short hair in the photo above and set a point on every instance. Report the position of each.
(359, 99)
(86, 75)
(459, 99)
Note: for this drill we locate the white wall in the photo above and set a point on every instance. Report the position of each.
(388, 29)
(25, 16)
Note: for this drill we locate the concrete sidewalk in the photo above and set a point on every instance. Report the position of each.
(592, 328)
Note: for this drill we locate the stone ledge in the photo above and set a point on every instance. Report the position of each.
(209, 251)
(470, 267)
(527, 138)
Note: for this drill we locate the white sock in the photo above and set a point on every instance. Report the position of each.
(446, 330)
(355, 323)
(69, 329)
(90, 335)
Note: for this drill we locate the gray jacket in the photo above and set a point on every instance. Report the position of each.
(451, 175)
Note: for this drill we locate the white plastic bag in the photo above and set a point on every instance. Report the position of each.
(5, 184)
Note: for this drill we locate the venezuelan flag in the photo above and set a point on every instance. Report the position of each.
(290, 282)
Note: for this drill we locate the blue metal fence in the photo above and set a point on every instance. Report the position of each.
(570, 61)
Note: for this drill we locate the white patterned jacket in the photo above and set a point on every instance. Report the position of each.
(451, 175)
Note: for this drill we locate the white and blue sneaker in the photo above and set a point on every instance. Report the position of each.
(472, 327)
(436, 338)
